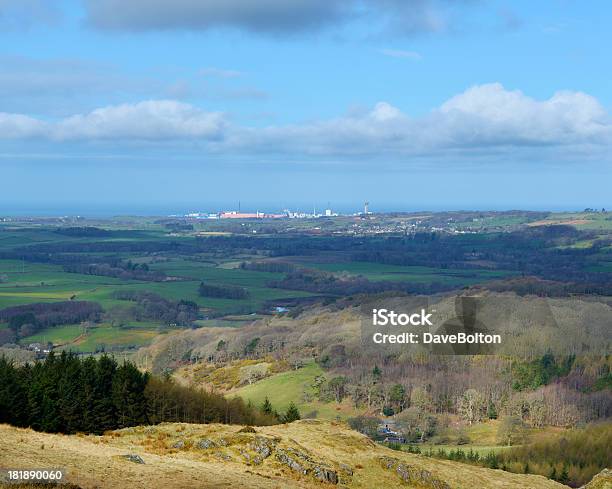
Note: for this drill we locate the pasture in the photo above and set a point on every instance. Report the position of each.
(294, 386)
(97, 337)
(414, 274)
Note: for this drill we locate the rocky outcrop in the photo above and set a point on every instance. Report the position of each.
(205, 444)
(325, 474)
(301, 462)
(293, 459)
(132, 457)
(262, 446)
(413, 475)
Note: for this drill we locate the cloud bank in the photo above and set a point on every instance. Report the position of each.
(275, 17)
(153, 120)
(484, 117)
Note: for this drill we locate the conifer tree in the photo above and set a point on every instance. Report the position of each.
(266, 407)
(553, 473)
(292, 414)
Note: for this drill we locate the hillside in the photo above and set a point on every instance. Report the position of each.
(304, 454)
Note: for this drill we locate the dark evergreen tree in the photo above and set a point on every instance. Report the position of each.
(89, 390)
(266, 407)
(70, 394)
(13, 407)
(50, 376)
(66, 394)
(103, 406)
(553, 473)
(292, 414)
(128, 395)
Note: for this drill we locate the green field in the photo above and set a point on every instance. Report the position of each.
(97, 337)
(286, 387)
(415, 274)
(34, 282)
(57, 335)
(595, 221)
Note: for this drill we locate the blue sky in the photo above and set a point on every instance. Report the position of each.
(163, 106)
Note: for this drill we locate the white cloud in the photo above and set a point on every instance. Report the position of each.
(482, 118)
(18, 126)
(398, 53)
(485, 117)
(490, 114)
(153, 120)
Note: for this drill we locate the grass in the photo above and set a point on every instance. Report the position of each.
(97, 460)
(58, 335)
(415, 274)
(95, 338)
(482, 450)
(25, 283)
(595, 221)
(286, 387)
(111, 337)
(492, 222)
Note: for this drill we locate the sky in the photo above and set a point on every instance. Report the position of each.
(168, 106)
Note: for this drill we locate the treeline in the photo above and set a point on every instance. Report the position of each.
(127, 271)
(268, 266)
(28, 319)
(67, 394)
(544, 251)
(151, 306)
(177, 226)
(559, 391)
(547, 288)
(222, 291)
(538, 372)
(572, 458)
(319, 282)
(84, 232)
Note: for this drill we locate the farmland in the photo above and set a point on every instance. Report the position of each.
(109, 262)
(295, 386)
(415, 274)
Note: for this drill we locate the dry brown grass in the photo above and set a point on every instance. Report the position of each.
(172, 459)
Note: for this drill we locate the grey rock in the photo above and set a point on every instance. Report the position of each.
(325, 474)
(179, 444)
(205, 444)
(413, 475)
(346, 469)
(132, 457)
(289, 459)
(263, 446)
